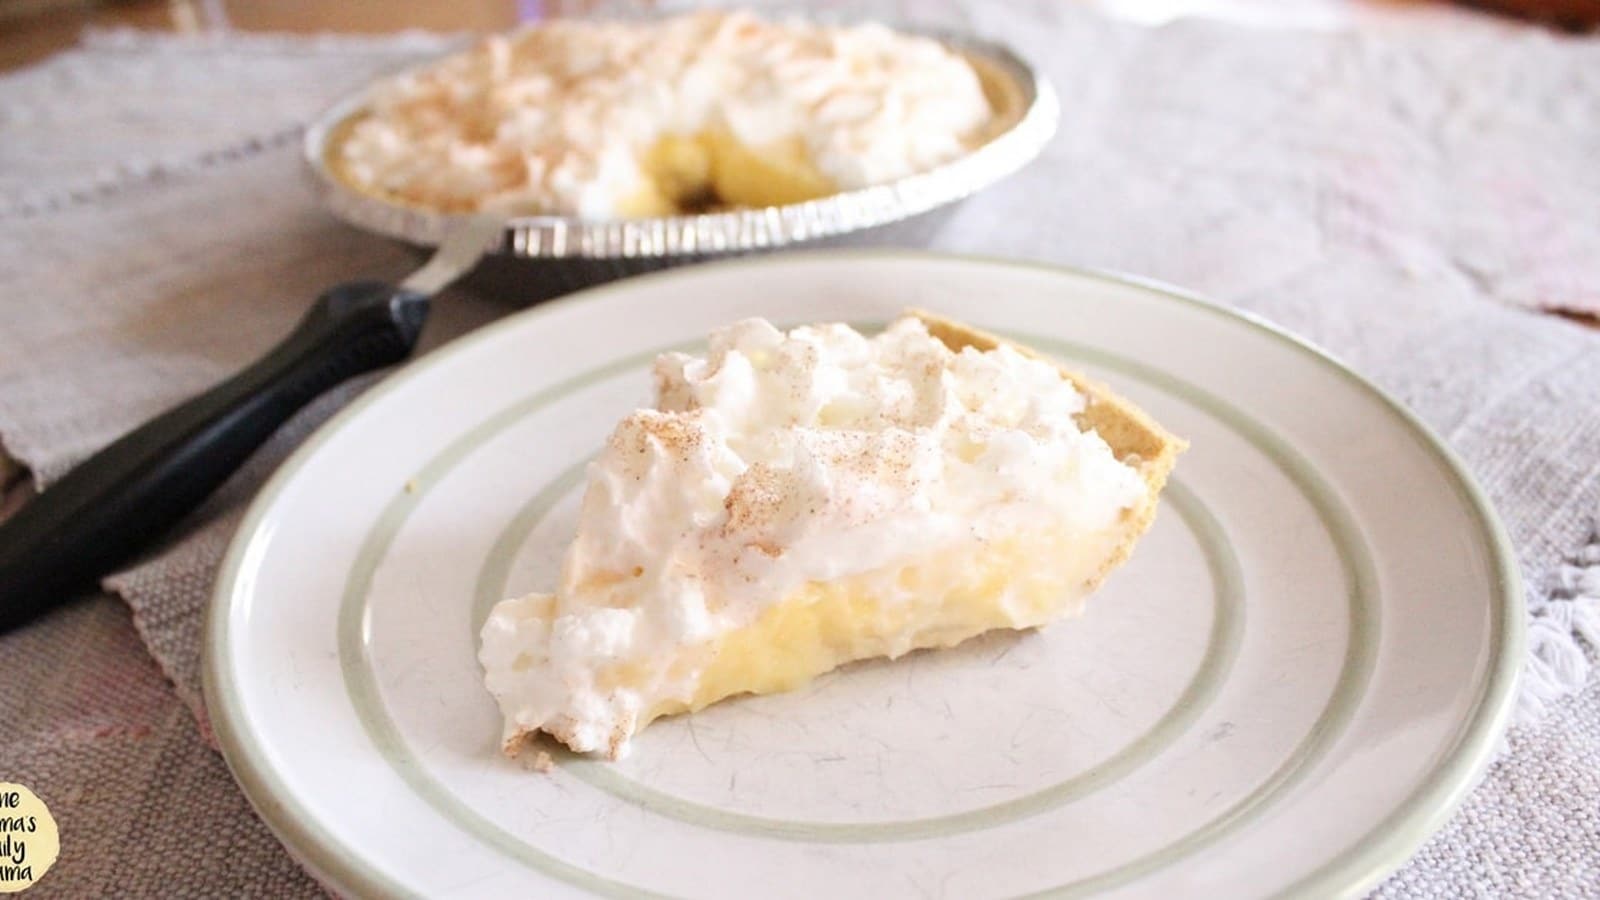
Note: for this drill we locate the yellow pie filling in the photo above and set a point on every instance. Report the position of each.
(938, 601)
(713, 170)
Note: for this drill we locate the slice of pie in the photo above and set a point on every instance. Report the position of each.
(797, 501)
(682, 114)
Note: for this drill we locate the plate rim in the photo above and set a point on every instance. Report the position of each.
(1382, 850)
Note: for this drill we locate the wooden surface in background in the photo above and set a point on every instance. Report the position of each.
(31, 30)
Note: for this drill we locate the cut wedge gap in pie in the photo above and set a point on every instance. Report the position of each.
(798, 501)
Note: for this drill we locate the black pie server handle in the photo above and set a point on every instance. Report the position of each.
(114, 504)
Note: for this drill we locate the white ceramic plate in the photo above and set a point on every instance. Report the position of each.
(1296, 678)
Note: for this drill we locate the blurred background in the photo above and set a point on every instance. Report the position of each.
(33, 29)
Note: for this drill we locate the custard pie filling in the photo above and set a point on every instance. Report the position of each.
(798, 500)
(606, 120)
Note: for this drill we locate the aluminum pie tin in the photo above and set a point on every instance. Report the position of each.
(900, 211)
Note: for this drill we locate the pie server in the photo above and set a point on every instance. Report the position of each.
(102, 512)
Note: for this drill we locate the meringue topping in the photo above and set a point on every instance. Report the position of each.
(558, 118)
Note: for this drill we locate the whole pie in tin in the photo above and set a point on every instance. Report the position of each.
(643, 119)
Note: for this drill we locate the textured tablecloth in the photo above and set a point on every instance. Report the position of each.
(1405, 197)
